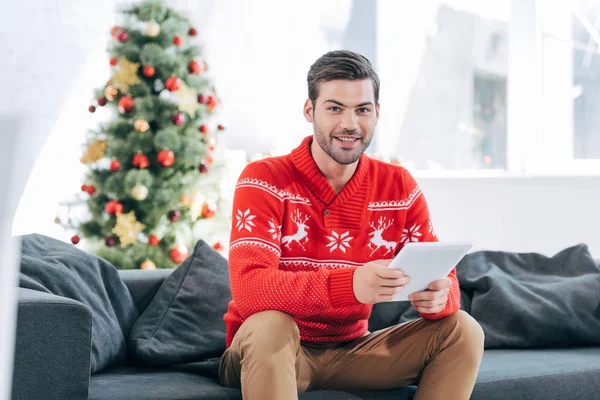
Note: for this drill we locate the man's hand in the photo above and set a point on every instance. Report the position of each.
(433, 300)
(374, 282)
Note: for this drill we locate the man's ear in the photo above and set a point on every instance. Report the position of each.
(308, 110)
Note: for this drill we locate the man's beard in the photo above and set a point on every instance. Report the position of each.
(340, 155)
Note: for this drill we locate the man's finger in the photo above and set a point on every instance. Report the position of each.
(426, 295)
(384, 263)
(389, 273)
(424, 310)
(427, 304)
(395, 282)
(440, 284)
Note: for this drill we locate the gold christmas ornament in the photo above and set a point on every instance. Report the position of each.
(196, 206)
(148, 264)
(94, 152)
(110, 93)
(185, 199)
(127, 228)
(188, 99)
(139, 192)
(126, 74)
(141, 125)
(152, 29)
(57, 220)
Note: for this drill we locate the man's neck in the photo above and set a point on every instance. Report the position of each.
(337, 174)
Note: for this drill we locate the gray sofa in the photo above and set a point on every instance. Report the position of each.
(52, 361)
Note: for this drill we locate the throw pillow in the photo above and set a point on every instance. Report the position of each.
(184, 321)
(531, 300)
(56, 267)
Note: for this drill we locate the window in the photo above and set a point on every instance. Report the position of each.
(586, 80)
(444, 84)
(508, 86)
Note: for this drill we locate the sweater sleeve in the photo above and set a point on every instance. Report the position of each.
(257, 283)
(420, 228)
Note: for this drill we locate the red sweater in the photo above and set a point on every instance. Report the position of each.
(295, 243)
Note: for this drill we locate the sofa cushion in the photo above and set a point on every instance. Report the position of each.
(540, 374)
(184, 321)
(127, 383)
(52, 266)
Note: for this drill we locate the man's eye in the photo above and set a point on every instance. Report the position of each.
(334, 109)
(364, 110)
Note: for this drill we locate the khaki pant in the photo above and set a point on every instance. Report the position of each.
(268, 361)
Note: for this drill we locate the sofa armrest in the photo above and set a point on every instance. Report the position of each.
(53, 344)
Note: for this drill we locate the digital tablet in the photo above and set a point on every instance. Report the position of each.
(427, 262)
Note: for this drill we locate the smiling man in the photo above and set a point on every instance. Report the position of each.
(312, 236)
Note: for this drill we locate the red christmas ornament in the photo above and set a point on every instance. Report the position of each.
(140, 161)
(126, 104)
(178, 119)
(75, 239)
(113, 61)
(89, 189)
(203, 129)
(113, 207)
(209, 159)
(123, 36)
(92, 109)
(102, 101)
(192, 32)
(177, 40)
(212, 103)
(221, 127)
(195, 67)
(174, 215)
(179, 254)
(110, 241)
(209, 210)
(218, 246)
(202, 99)
(203, 167)
(153, 240)
(149, 71)
(115, 165)
(173, 84)
(166, 158)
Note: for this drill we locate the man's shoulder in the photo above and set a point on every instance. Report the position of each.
(275, 172)
(385, 170)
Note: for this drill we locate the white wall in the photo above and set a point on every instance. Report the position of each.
(537, 214)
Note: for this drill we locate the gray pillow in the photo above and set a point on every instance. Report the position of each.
(51, 266)
(531, 300)
(184, 321)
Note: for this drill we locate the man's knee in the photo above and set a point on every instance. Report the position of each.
(269, 331)
(465, 327)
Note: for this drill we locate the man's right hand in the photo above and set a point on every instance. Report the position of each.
(374, 282)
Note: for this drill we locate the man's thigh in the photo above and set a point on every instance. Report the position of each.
(308, 363)
(386, 359)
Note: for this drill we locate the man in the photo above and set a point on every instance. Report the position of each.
(313, 233)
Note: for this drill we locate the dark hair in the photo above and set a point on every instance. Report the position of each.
(343, 65)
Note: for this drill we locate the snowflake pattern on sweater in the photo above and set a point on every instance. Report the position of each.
(295, 243)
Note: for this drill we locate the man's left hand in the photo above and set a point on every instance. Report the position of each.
(433, 300)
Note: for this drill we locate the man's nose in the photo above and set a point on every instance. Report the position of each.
(349, 121)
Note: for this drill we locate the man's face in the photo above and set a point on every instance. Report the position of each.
(344, 117)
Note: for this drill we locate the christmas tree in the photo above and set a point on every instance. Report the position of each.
(151, 188)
